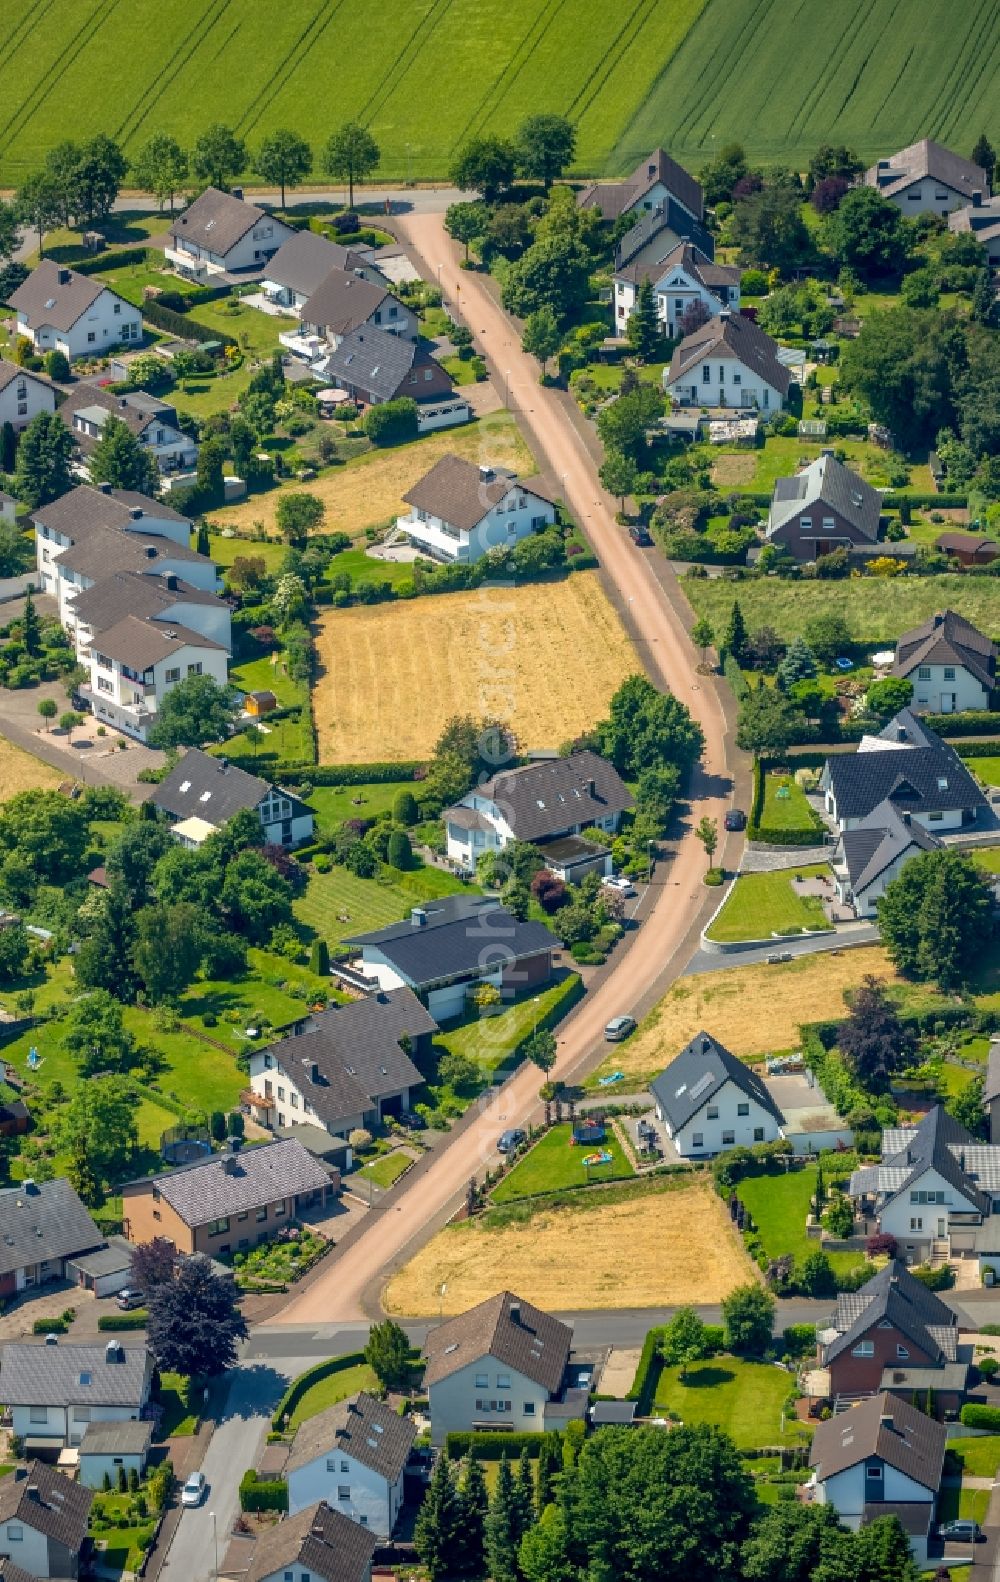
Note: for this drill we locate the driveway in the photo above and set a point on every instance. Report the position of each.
(254, 1391)
(85, 756)
(649, 603)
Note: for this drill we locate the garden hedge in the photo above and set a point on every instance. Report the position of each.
(118, 258)
(342, 774)
(186, 328)
(256, 1495)
(137, 1319)
(989, 749)
(973, 1415)
(305, 1381)
(491, 1446)
(647, 1374)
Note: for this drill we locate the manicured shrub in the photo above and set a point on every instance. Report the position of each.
(400, 852)
(487, 1446)
(392, 422)
(262, 1496)
(973, 1415)
(987, 1366)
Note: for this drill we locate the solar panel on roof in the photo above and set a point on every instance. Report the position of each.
(702, 1084)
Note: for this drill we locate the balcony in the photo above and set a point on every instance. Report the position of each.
(308, 347)
(437, 541)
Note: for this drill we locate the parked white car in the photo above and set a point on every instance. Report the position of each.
(618, 881)
(194, 1489)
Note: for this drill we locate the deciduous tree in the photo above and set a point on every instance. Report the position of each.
(351, 155)
(100, 1120)
(873, 1040)
(284, 159)
(218, 156)
(485, 165)
(545, 146)
(194, 711)
(934, 916)
(161, 167)
(748, 1316)
(466, 222)
(120, 460)
(542, 336)
(96, 1035)
(43, 455)
(195, 1321)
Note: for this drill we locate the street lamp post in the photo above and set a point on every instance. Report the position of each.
(215, 1541)
(649, 857)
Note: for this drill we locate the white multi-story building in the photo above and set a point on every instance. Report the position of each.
(219, 234)
(682, 277)
(353, 1456)
(497, 1366)
(951, 665)
(54, 1391)
(153, 422)
(710, 1101)
(729, 362)
(459, 511)
(23, 395)
(907, 765)
(78, 315)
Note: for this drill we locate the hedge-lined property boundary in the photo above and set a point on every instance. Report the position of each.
(256, 1494)
(487, 1446)
(305, 1381)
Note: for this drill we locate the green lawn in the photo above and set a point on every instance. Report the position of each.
(262, 995)
(338, 904)
(255, 332)
(969, 1504)
(327, 1392)
(985, 769)
(203, 395)
(178, 1421)
(877, 609)
(988, 858)
(489, 1040)
(386, 1169)
(785, 805)
(783, 455)
(763, 904)
(333, 804)
(268, 674)
(225, 550)
(779, 1204)
(553, 1163)
(125, 1545)
(742, 1398)
(461, 369)
(980, 1458)
(362, 567)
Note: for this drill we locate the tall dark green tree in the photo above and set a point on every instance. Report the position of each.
(648, 729)
(8, 445)
(644, 323)
(218, 157)
(867, 233)
(984, 300)
(985, 156)
(31, 628)
(734, 636)
(475, 1503)
(503, 1527)
(284, 159)
(545, 146)
(438, 1534)
(161, 167)
(351, 155)
(167, 949)
(104, 960)
(549, 1468)
(119, 459)
(486, 165)
(935, 916)
(388, 1354)
(43, 455)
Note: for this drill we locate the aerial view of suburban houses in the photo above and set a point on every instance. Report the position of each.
(500, 793)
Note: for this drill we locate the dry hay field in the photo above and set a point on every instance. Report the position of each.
(369, 490)
(752, 1010)
(569, 1255)
(546, 659)
(20, 771)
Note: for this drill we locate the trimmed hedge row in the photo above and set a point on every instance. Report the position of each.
(118, 258)
(490, 1446)
(941, 502)
(137, 1319)
(340, 774)
(979, 749)
(648, 1372)
(256, 1495)
(973, 1415)
(180, 325)
(305, 1381)
(803, 835)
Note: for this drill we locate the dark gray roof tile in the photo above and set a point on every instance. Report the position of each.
(459, 934)
(53, 294)
(42, 1221)
(542, 799)
(64, 1374)
(883, 1426)
(231, 1183)
(696, 1075)
(364, 1428)
(947, 639)
(303, 262)
(736, 334)
(328, 1545)
(827, 481)
(49, 1503)
(916, 771)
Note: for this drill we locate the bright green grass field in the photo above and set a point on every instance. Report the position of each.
(860, 77)
(225, 550)
(554, 1163)
(338, 904)
(980, 1458)
(488, 1040)
(779, 1204)
(327, 1392)
(985, 769)
(361, 567)
(762, 904)
(385, 1170)
(422, 78)
(332, 804)
(877, 609)
(790, 811)
(742, 1398)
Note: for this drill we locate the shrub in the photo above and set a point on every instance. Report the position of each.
(258, 1496)
(49, 1326)
(800, 1339)
(56, 365)
(936, 1277)
(881, 1243)
(487, 1446)
(359, 1139)
(392, 422)
(973, 1415)
(137, 1319)
(988, 1366)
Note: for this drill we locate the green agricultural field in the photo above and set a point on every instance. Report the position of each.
(876, 608)
(423, 77)
(860, 77)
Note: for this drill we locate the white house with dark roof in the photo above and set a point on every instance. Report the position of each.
(449, 946)
(681, 277)
(43, 1224)
(874, 852)
(883, 1457)
(220, 234)
(55, 1389)
(951, 664)
(316, 1544)
(824, 507)
(303, 262)
(910, 767)
(708, 1101)
(43, 1523)
(60, 310)
(729, 362)
(343, 302)
(346, 1067)
(928, 178)
(353, 1456)
(656, 183)
(458, 511)
(154, 423)
(374, 366)
(135, 662)
(498, 1366)
(547, 802)
(23, 395)
(203, 787)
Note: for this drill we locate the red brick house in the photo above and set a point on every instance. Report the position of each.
(894, 1334)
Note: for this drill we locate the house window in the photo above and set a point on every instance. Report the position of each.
(864, 1348)
(345, 1466)
(279, 1207)
(118, 307)
(949, 672)
(173, 674)
(737, 379)
(706, 374)
(758, 1134)
(901, 1351)
(91, 336)
(15, 1532)
(728, 1138)
(503, 1381)
(529, 1408)
(281, 1094)
(873, 1472)
(697, 1139)
(924, 673)
(244, 1215)
(331, 1465)
(343, 1491)
(935, 818)
(194, 670)
(743, 1109)
(218, 1227)
(38, 1414)
(261, 1215)
(916, 1224)
(713, 1112)
(482, 1381)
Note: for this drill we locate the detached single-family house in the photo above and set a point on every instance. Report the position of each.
(23, 395)
(883, 1457)
(317, 1544)
(353, 1456)
(303, 262)
(680, 278)
(927, 178)
(909, 766)
(343, 1068)
(78, 315)
(708, 1100)
(951, 664)
(893, 1326)
(982, 218)
(657, 231)
(55, 1389)
(447, 947)
(43, 1224)
(230, 1202)
(656, 183)
(937, 1190)
(497, 1366)
(43, 1523)
(729, 362)
(107, 1447)
(374, 366)
(548, 803)
(220, 234)
(873, 852)
(459, 511)
(824, 507)
(344, 302)
(153, 422)
(204, 791)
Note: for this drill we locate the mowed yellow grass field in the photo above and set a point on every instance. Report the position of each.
(369, 490)
(544, 658)
(20, 771)
(575, 1255)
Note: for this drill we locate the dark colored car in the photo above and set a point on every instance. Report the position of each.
(411, 1120)
(736, 818)
(640, 535)
(509, 1141)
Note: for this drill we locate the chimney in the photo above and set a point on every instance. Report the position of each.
(515, 1312)
(63, 277)
(170, 580)
(105, 488)
(938, 617)
(151, 551)
(705, 1046)
(485, 474)
(28, 1187)
(32, 1493)
(906, 819)
(725, 315)
(886, 1420)
(826, 453)
(900, 733)
(123, 401)
(977, 200)
(318, 1530)
(136, 513)
(238, 193)
(20, 1473)
(52, 1340)
(230, 1164)
(223, 765)
(312, 1071)
(590, 786)
(418, 917)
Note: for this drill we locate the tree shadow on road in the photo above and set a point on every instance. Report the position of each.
(253, 1392)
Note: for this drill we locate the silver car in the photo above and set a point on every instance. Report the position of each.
(618, 1028)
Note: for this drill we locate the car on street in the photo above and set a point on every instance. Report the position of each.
(618, 881)
(963, 1532)
(735, 818)
(640, 536)
(194, 1489)
(618, 1028)
(509, 1141)
(129, 1299)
